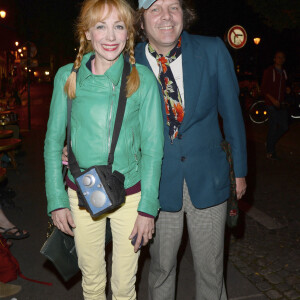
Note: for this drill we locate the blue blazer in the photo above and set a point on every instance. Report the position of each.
(210, 88)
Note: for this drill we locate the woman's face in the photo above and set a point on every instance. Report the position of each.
(108, 37)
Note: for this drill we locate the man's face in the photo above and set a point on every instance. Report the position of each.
(163, 24)
(279, 59)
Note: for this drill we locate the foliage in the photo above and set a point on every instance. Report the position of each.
(48, 24)
(278, 14)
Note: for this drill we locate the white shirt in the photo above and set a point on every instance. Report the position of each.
(176, 68)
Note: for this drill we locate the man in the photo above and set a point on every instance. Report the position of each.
(274, 89)
(197, 81)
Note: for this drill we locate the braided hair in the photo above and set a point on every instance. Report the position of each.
(92, 12)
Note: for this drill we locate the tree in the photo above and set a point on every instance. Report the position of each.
(278, 14)
(50, 25)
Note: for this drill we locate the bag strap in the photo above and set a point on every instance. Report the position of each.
(120, 113)
(73, 164)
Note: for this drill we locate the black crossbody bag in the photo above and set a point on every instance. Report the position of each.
(99, 189)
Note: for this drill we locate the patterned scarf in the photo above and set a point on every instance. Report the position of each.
(172, 98)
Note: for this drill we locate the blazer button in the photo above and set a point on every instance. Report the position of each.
(182, 158)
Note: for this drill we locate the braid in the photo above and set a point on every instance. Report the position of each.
(131, 54)
(91, 11)
(133, 81)
(81, 52)
(70, 86)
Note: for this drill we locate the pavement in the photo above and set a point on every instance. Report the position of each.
(262, 255)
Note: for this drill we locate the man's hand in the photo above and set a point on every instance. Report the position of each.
(64, 156)
(144, 227)
(241, 187)
(274, 101)
(63, 219)
(276, 104)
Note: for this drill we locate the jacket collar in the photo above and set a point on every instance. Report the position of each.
(140, 55)
(192, 63)
(114, 73)
(193, 74)
(141, 58)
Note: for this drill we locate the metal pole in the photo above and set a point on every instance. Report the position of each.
(28, 85)
(7, 64)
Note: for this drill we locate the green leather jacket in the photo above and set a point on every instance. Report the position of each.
(139, 150)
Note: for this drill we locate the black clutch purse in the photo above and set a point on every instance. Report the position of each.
(60, 249)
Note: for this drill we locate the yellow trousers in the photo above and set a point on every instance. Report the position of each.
(90, 246)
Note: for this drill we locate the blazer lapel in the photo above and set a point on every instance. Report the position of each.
(192, 67)
(140, 55)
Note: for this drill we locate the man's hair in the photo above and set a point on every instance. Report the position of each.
(279, 51)
(189, 17)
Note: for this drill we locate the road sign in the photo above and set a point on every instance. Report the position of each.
(237, 37)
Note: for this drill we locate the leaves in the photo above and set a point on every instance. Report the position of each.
(278, 14)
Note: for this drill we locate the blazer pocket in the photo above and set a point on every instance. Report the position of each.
(219, 169)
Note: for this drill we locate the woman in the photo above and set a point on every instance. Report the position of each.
(105, 31)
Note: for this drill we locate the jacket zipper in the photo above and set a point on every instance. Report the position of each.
(134, 152)
(110, 115)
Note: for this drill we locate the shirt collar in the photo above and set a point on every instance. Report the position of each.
(114, 73)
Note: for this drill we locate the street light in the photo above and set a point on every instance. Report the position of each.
(256, 40)
(2, 14)
(17, 43)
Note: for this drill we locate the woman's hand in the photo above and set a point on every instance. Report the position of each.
(63, 219)
(64, 156)
(143, 227)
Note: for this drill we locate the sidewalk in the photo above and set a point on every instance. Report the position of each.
(250, 249)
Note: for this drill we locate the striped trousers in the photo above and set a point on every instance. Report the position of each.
(206, 234)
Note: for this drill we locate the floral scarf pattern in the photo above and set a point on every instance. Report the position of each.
(172, 97)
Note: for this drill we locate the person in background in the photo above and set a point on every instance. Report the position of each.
(9, 230)
(273, 89)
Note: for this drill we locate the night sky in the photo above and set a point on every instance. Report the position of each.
(50, 25)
